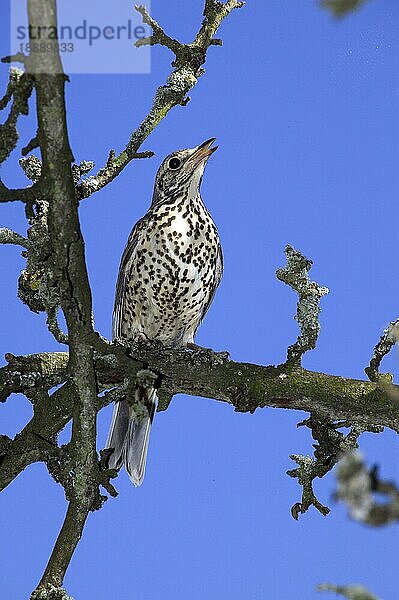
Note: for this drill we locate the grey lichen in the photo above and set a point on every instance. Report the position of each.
(7, 236)
(18, 92)
(81, 169)
(306, 471)
(50, 592)
(387, 341)
(32, 167)
(331, 445)
(296, 275)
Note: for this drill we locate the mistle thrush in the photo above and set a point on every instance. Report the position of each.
(169, 272)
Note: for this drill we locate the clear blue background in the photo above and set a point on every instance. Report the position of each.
(305, 110)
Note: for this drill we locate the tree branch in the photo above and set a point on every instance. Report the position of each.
(22, 194)
(244, 386)
(186, 72)
(69, 274)
(158, 36)
(7, 236)
(330, 447)
(27, 372)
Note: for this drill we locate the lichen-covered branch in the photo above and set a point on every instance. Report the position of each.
(54, 327)
(158, 36)
(186, 72)
(387, 341)
(357, 487)
(244, 386)
(296, 275)
(27, 372)
(331, 445)
(18, 92)
(7, 236)
(351, 592)
(69, 275)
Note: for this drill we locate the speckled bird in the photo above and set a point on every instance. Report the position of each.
(169, 272)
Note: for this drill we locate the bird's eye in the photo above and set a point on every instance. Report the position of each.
(174, 163)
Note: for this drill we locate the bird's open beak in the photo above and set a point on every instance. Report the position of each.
(203, 152)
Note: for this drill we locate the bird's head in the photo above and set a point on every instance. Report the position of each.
(182, 170)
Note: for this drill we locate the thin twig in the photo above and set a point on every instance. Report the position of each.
(387, 341)
(53, 326)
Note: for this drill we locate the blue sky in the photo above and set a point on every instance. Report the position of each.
(305, 110)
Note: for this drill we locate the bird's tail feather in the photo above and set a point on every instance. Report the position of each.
(130, 432)
(117, 433)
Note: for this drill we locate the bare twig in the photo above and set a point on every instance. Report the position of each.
(158, 36)
(27, 372)
(81, 169)
(19, 57)
(296, 275)
(53, 326)
(22, 194)
(31, 145)
(306, 471)
(32, 168)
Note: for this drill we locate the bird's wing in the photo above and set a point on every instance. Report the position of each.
(125, 267)
(216, 280)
